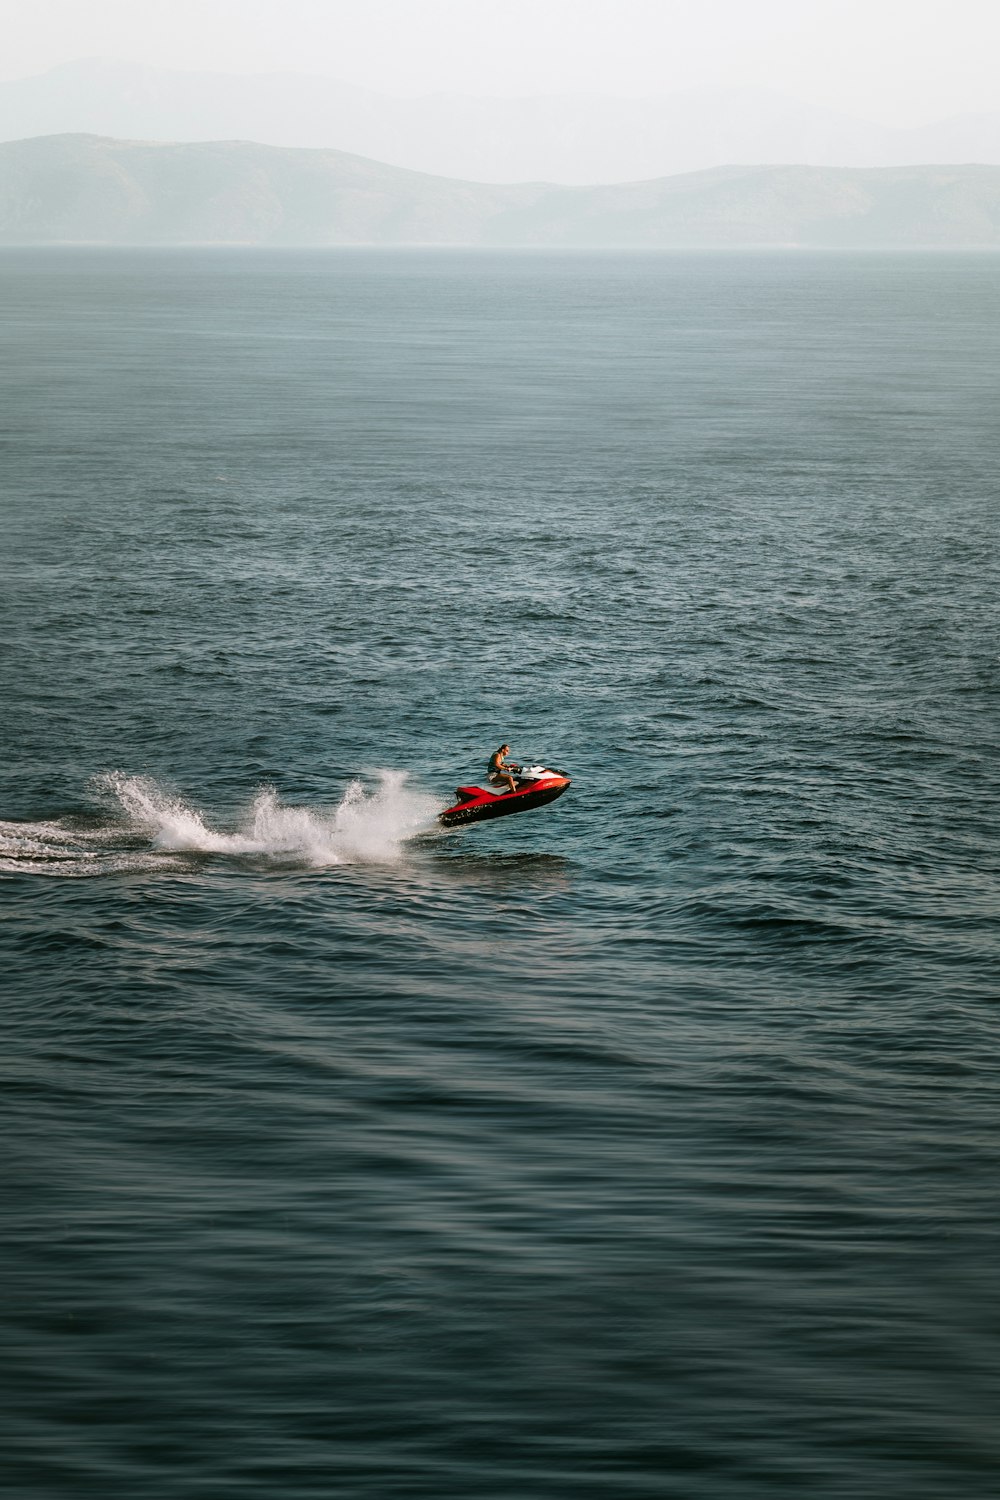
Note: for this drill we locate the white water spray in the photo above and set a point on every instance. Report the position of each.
(367, 826)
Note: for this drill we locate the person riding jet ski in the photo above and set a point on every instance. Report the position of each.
(500, 771)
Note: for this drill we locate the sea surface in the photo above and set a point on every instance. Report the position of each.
(647, 1145)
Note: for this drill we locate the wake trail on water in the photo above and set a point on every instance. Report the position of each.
(156, 829)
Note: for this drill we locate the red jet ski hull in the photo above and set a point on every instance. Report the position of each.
(475, 804)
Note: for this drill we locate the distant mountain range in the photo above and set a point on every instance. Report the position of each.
(566, 139)
(88, 189)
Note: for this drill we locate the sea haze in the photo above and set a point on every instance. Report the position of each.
(643, 1146)
(582, 139)
(90, 190)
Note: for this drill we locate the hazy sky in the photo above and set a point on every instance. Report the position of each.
(896, 61)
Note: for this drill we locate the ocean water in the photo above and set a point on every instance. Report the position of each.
(644, 1146)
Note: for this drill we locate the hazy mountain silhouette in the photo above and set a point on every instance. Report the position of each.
(557, 139)
(83, 188)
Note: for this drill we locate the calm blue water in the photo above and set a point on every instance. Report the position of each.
(645, 1146)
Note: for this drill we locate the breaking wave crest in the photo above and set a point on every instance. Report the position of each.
(158, 829)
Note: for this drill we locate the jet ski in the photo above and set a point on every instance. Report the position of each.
(536, 785)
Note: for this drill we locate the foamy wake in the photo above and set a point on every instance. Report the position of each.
(155, 829)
